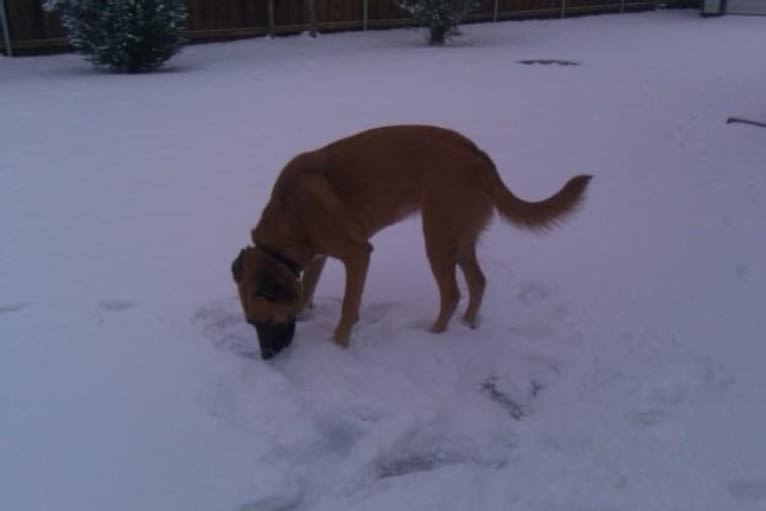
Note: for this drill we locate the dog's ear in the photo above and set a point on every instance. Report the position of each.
(237, 266)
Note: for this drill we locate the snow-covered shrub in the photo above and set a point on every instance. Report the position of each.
(440, 17)
(125, 35)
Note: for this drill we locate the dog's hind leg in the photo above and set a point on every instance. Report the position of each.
(443, 268)
(477, 212)
(442, 255)
(476, 282)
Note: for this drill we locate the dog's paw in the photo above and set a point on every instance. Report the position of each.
(438, 327)
(342, 335)
(471, 322)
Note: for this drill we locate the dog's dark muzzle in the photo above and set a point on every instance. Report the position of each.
(274, 337)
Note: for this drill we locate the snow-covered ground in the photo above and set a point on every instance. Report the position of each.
(620, 360)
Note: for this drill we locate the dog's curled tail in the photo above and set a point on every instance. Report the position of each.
(544, 214)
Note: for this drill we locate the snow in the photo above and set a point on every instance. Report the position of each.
(619, 362)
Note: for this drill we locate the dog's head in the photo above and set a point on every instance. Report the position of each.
(270, 293)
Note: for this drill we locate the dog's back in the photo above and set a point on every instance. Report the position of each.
(385, 174)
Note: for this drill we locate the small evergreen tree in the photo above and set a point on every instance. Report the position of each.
(440, 17)
(124, 35)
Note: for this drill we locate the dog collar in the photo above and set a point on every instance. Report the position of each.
(294, 267)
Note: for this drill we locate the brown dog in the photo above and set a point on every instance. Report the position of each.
(330, 201)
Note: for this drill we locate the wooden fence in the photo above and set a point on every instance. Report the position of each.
(32, 30)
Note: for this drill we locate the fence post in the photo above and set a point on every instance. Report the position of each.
(622, 6)
(311, 14)
(271, 17)
(6, 30)
(365, 14)
(563, 8)
(497, 8)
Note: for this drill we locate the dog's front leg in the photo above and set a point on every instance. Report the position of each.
(356, 273)
(309, 282)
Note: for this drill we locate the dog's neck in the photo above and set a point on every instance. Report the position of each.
(278, 256)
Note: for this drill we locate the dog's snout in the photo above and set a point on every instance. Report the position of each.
(274, 337)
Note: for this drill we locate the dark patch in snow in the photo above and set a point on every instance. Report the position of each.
(548, 62)
(534, 292)
(742, 271)
(116, 305)
(747, 492)
(287, 502)
(489, 388)
(535, 388)
(647, 418)
(13, 307)
(340, 434)
(417, 463)
(429, 461)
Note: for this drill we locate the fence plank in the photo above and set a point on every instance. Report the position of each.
(6, 40)
(25, 19)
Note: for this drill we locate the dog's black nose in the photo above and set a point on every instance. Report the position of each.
(274, 337)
